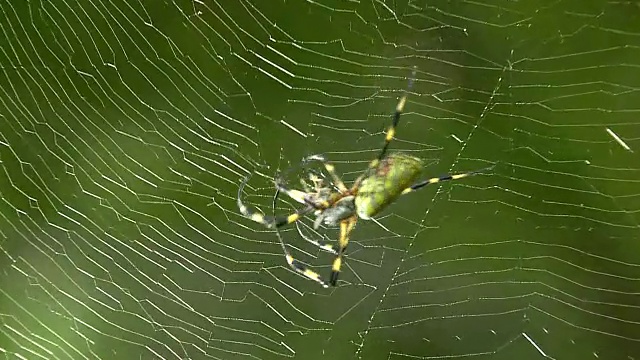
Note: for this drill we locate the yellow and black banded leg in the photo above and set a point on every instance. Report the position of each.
(434, 180)
(297, 195)
(337, 181)
(276, 222)
(304, 270)
(346, 227)
(391, 132)
(268, 221)
(310, 199)
(316, 179)
(272, 222)
(325, 246)
(303, 197)
(297, 265)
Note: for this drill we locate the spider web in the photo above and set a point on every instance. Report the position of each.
(126, 128)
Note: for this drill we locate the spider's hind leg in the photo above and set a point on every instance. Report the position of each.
(434, 180)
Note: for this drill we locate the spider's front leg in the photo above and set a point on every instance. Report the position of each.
(276, 222)
(271, 221)
(331, 170)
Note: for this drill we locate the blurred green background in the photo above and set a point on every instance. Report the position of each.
(126, 128)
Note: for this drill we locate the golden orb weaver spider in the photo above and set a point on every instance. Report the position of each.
(387, 177)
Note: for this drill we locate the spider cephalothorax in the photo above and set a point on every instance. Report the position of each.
(386, 178)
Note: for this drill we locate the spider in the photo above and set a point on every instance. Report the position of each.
(387, 177)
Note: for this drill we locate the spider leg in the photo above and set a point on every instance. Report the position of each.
(301, 196)
(390, 132)
(316, 179)
(331, 169)
(346, 226)
(276, 222)
(337, 181)
(434, 180)
(323, 245)
(269, 221)
(295, 264)
(297, 195)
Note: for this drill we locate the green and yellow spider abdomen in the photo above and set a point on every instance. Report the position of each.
(394, 174)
